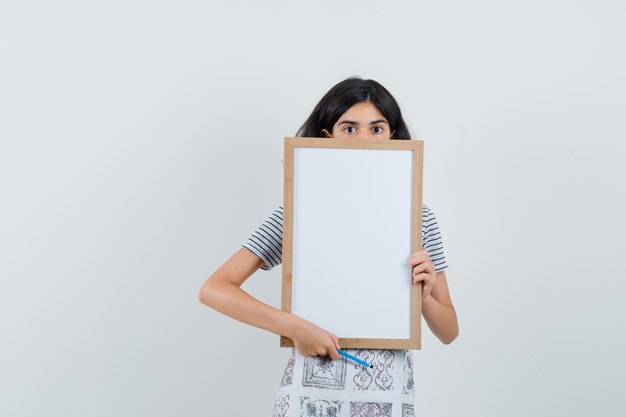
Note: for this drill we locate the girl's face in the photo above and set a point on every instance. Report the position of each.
(361, 121)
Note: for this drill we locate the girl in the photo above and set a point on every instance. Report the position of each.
(316, 381)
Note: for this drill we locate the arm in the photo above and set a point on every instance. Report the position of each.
(437, 307)
(439, 312)
(222, 292)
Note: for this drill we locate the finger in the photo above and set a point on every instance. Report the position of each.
(418, 254)
(335, 340)
(428, 267)
(420, 260)
(418, 269)
(332, 352)
(423, 277)
(417, 258)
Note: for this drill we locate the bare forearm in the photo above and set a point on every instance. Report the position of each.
(234, 302)
(222, 292)
(441, 319)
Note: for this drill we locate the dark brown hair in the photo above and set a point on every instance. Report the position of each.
(346, 94)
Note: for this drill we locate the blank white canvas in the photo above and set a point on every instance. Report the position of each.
(352, 241)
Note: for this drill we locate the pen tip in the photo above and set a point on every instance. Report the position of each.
(371, 366)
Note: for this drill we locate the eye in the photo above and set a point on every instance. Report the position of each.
(378, 129)
(349, 130)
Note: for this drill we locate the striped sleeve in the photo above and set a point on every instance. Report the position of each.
(267, 241)
(431, 239)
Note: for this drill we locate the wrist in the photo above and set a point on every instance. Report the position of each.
(293, 324)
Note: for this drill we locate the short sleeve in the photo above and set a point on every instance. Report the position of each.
(431, 239)
(266, 242)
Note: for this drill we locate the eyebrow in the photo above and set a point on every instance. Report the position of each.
(350, 122)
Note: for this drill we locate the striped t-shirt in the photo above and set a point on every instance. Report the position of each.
(267, 241)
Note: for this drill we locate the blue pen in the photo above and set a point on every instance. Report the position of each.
(354, 358)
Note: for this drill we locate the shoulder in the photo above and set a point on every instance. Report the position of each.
(431, 235)
(277, 215)
(431, 239)
(429, 220)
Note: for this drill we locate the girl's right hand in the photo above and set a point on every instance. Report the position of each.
(311, 340)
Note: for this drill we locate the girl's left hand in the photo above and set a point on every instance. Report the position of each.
(423, 270)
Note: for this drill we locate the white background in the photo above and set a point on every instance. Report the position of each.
(141, 143)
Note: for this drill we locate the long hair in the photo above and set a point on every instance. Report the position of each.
(346, 94)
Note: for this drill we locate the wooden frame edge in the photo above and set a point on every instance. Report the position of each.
(417, 147)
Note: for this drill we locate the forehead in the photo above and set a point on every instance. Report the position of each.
(364, 112)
